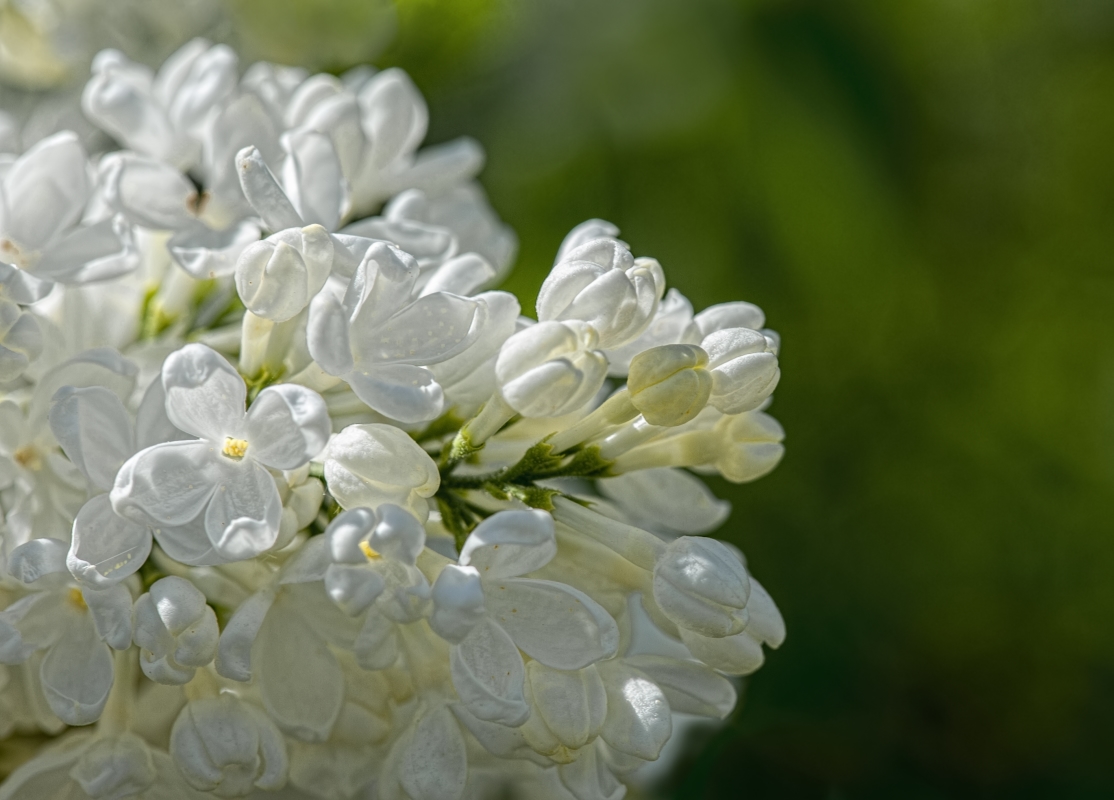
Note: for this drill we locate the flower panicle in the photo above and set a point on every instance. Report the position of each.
(290, 495)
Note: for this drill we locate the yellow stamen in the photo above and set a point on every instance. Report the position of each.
(369, 551)
(235, 448)
(78, 599)
(28, 458)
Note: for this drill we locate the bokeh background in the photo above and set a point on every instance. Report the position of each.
(920, 194)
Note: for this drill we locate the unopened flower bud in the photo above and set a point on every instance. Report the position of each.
(600, 283)
(744, 372)
(277, 277)
(702, 586)
(115, 767)
(551, 368)
(368, 465)
(228, 747)
(751, 446)
(670, 384)
(175, 630)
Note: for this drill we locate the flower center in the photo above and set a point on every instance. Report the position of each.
(11, 254)
(369, 551)
(235, 448)
(28, 458)
(77, 599)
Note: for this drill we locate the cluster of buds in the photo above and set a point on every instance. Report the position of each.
(292, 499)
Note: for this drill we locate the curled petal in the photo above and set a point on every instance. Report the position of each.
(287, 425)
(106, 548)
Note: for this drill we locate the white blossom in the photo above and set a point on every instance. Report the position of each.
(215, 491)
(292, 499)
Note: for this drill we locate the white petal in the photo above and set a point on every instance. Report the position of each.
(115, 767)
(571, 703)
(101, 366)
(737, 314)
(38, 557)
(206, 253)
(106, 548)
(402, 392)
(152, 425)
(90, 253)
(559, 626)
(690, 687)
(148, 192)
(94, 430)
(583, 233)
(488, 674)
(313, 179)
(510, 543)
(238, 636)
(327, 334)
(395, 115)
(398, 536)
(638, 720)
(286, 426)
(376, 646)
(347, 532)
(244, 512)
(368, 465)
(381, 285)
(353, 587)
(667, 499)
(702, 585)
(431, 329)
(435, 765)
(77, 675)
(205, 395)
(299, 679)
(740, 654)
(589, 778)
(111, 609)
(458, 602)
(166, 484)
(765, 623)
(499, 740)
(264, 192)
(46, 188)
(461, 275)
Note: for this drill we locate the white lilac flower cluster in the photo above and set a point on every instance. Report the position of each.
(292, 500)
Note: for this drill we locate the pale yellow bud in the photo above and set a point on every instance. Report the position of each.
(669, 385)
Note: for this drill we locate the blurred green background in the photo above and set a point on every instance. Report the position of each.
(920, 194)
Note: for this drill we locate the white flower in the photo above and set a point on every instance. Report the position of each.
(74, 626)
(43, 198)
(175, 631)
(551, 368)
(383, 344)
(228, 747)
(216, 490)
(161, 115)
(475, 587)
(489, 613)
(374, 558)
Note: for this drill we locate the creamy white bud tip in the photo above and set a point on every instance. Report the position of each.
(670, 384)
